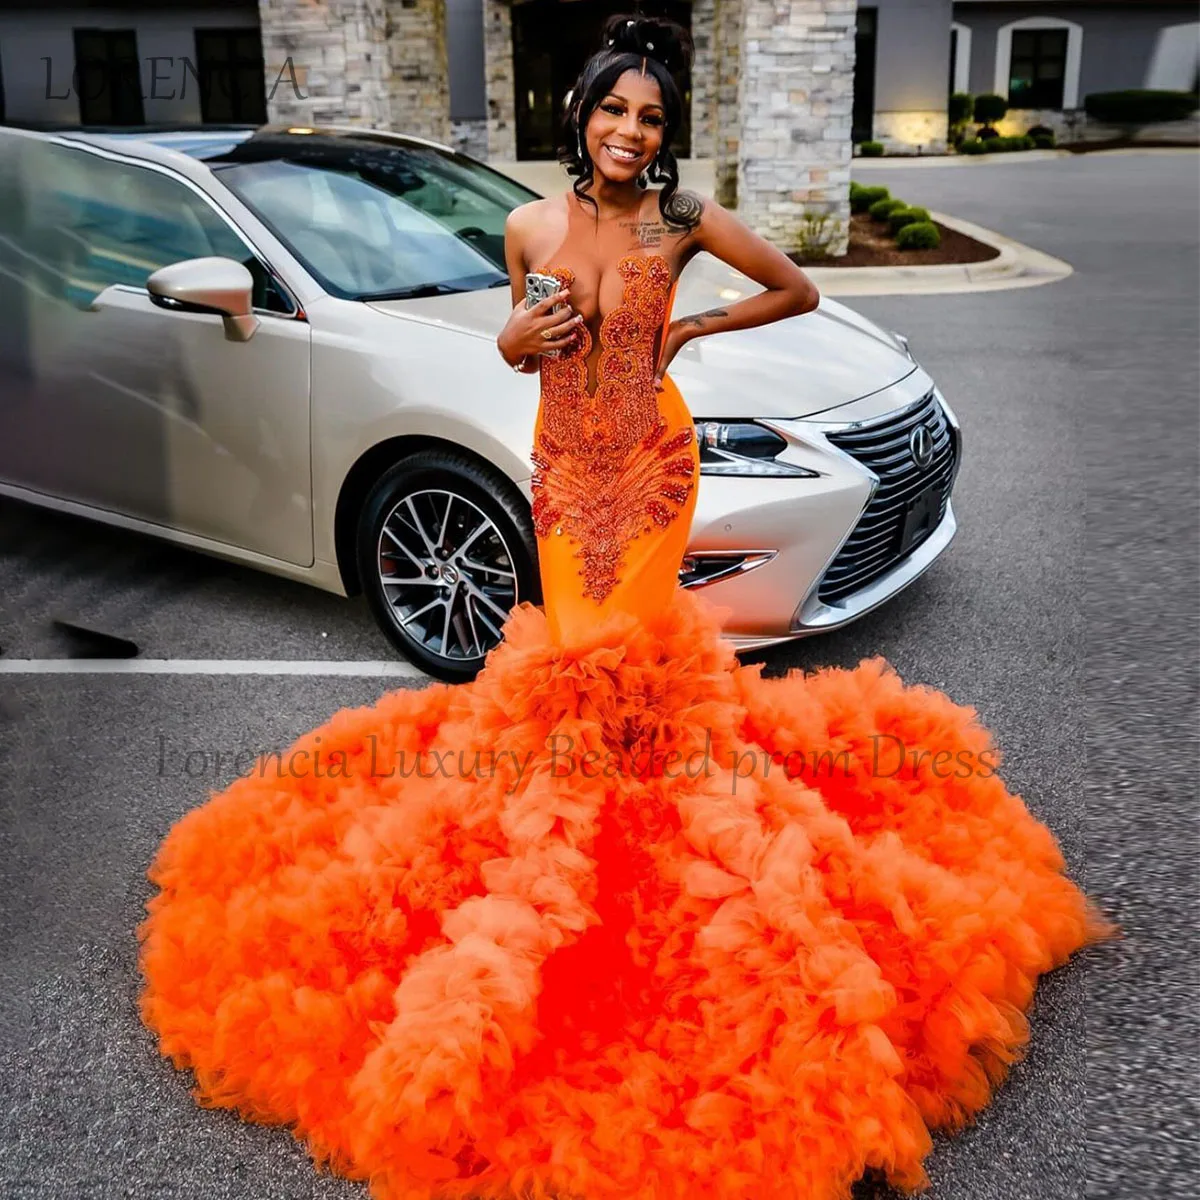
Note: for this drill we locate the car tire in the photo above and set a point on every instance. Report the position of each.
(444, 545)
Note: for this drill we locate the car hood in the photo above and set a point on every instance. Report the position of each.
(790, 368)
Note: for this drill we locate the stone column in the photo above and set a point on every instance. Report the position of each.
(499, 80)
(377, 63)
(704, 78)
(728, 16)
(420, 78)
(326, 62)
(796, 95)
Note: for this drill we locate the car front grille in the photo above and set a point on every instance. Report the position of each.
(875, 546)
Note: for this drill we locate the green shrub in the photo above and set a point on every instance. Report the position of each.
(816, 236)
(1000, 145)
(1041, 131)
(866, 195)
(920, 235)
(989, 107)
(870, 149)
(961, 107)
(986, 132)
(899, 217)
(970, 146)
(1139, 106)
(882, 209)
(1042, 142)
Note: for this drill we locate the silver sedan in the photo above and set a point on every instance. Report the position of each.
(278, 346)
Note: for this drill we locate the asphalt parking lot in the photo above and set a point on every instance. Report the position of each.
(1065, 612)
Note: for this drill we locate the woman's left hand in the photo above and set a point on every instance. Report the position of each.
(676, 337)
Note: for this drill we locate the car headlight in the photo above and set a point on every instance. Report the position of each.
(742, 448)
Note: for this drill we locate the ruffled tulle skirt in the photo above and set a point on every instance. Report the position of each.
(623, 919)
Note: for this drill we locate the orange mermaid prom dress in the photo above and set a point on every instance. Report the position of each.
(621, 919)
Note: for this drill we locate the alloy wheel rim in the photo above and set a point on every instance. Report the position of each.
(447, 573)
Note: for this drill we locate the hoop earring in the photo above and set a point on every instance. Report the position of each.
(643, 181)
(579, 143)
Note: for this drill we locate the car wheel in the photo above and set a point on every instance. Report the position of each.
(445, 549)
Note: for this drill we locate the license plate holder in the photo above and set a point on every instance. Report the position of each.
(920, 517)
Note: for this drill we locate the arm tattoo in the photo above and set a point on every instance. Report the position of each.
(698, 319)
(685, 208)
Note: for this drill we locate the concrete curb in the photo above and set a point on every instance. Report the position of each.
(1016, 265)
(1013, 156)
(955, 160)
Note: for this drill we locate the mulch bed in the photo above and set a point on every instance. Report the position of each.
(871, 245)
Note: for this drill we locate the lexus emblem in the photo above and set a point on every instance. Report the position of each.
(920, 445)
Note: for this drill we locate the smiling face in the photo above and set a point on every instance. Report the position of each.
(625, 130)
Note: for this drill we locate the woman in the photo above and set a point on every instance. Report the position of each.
(620, 918)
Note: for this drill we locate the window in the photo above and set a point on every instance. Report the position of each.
(100, 223)
(231, 70)
(1037, 68)
(108, 79)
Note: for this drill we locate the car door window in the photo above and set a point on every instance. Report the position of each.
(109, 222)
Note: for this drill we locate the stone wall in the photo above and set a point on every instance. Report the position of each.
(727, 52)
(1082, 128)
(704, 78)
(326, 62)
(420, 81)
(470, 137)
(913, 132)
(378, 63)
(795, 95)
(499, 80)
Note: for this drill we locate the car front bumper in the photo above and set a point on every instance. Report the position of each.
(761, 548)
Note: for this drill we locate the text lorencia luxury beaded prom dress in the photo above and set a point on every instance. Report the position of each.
(621, 918)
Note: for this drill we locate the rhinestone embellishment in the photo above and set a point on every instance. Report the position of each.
(603, 470)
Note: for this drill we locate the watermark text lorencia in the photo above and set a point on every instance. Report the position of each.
(166, 76)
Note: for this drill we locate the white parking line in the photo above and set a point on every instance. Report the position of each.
(208, 666)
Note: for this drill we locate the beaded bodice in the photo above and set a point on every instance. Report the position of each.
(606, 469)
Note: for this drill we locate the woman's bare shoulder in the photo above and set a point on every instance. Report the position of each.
(533, 213)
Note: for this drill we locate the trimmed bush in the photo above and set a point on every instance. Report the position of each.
(870, 149)
(970, 146)
(989, 107)
(1040, 131)
(920, 235)
(1042, 142)
(987, 132)
(862, 198)
(899, 217)
(961, 107)
(882, 209)
(1140, 106)
(999, 145)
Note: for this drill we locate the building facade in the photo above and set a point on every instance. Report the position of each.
(778, 93)
(489, 75)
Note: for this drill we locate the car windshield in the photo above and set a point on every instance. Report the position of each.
(374, 222)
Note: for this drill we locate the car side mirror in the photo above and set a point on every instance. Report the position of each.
(211, 285)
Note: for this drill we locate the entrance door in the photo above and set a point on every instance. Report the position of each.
(551, 42)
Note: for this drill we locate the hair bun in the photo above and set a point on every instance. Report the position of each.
(654, 37)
